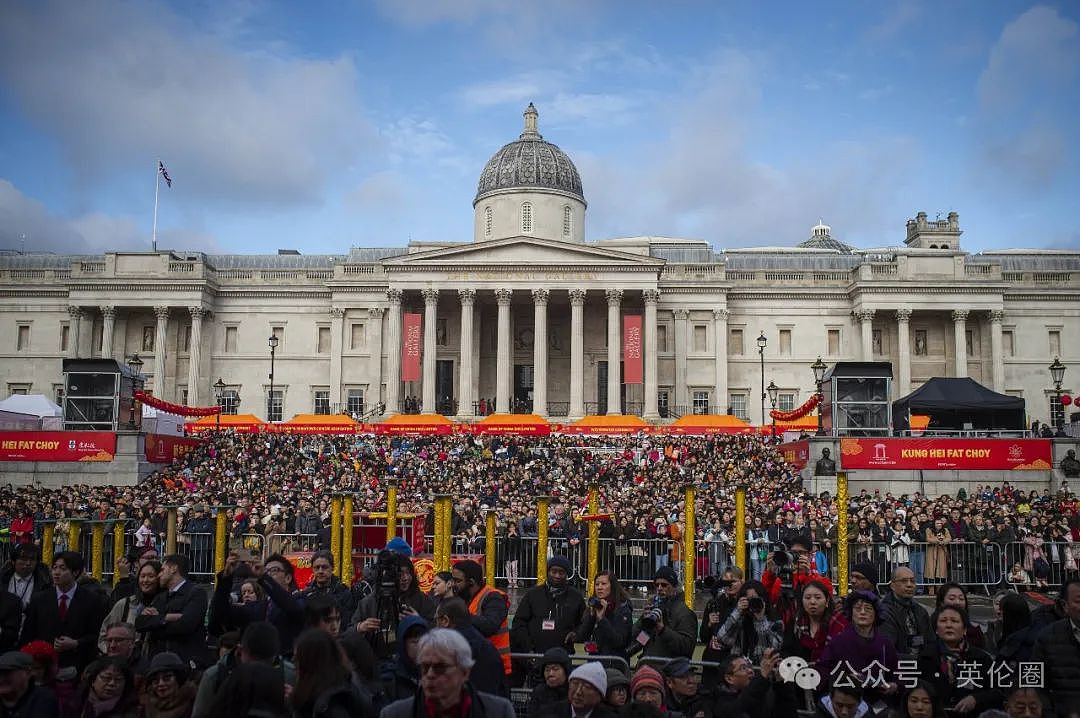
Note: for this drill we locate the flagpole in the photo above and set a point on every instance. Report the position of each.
(157, 185)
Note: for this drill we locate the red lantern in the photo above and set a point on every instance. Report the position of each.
(1066, 399)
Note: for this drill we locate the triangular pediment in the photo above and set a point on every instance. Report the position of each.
(520, 251)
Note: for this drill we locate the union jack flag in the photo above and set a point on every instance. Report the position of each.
(164, 173)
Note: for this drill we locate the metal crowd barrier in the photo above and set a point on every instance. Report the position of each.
(286, 543)
(199, 549)
(1062, 562)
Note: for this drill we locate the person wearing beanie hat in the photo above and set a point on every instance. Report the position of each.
(399, 545)
(549, 614)
(554, 666)
(587, 688)
(863, 577)
(618, 688)
(667, 628)
(647, 686)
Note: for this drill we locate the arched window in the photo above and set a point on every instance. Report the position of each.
(933, 246)
(526, 217)
(567, 221)
(488, 220)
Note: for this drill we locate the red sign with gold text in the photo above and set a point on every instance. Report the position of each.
(411, 341)
(796, 453)
(962, 454)
(163, 448)
(57, 446)
(632, 348)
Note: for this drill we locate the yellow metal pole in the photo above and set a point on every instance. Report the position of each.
(594, 539)
(118, 548)
(841, 531)
(489, 549)
(740, 529)
(541, 538)
(346, 540)
(170, 531)
(442, 532)
(391, 509)
(48, 540)
(74, 528)
(335, 532)
(220, 538)
(97, 549)
(689, 552)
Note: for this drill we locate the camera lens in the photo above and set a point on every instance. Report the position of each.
(757, 605)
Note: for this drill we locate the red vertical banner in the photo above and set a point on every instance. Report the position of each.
(632, 348)
(410, 347)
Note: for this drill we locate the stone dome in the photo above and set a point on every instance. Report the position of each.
(530, 163)
(821, 238)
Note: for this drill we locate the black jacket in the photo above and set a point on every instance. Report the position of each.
(611, 634)
(754, 701)
(10, 620)
(900, 616)
(1058, 650)
(341, 701)
(339, 592)
(680, 631)
(538, 605)
(932, 667)
(185, 637)
(562, 710)
(283, 609)
(85, 613)
(37, 702)
(42, 577)
(487, 674)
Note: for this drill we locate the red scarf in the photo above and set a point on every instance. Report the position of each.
(432, 710)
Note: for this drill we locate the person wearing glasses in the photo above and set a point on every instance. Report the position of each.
(167, 691)
(667, 629)
(444, 660)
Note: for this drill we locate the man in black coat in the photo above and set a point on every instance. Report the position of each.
(10, 620)
(18, 694)
(585, 697)
(175, 621)
(1058, 650)
(669, 629)
(67, 615)
(24, 575)
(548, 615)
(487, 673)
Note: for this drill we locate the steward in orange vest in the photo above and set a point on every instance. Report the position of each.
(489, 607)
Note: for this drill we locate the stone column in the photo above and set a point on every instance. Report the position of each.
(614, 351)
(720, 317)
(108, 322)
(162, 314)
(651, 410)
(431, 304)
(903, 339)
(577, 353)
(375, 342)
(503, 359)
(74, 329)
(959, 317)
(393, 352)
(195, 355)
(540, 350)
(337, 324)
(682, 400)
(866, 325)
(465, 364)
(997, 356)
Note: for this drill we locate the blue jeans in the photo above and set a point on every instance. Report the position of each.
(757, 567)
(918, 564)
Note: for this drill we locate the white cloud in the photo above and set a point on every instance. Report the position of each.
(380, 192)
(120, 84)
(1037, 52)
(24, 218)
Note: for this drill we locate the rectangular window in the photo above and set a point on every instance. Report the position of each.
(785, 342)
(97, 338)
(441, 333)
(185, 338)
(785, 401)
(833, 338)
(58, 393)
(1007, 343)
(148, 339)
(1057, 411)
(700, 338)
(661, 339)
(65, 336)
(230, 401)
(877, 342)
(183, 396)
(701, 402)
(230, 339)
(355, 403)
(321, 404)
(1055, 343)
(22, 343)
(662, 402)
(18, 388)
(969, 343)
(737, 404)
(275, 405)
(357, 336)
(323, 341)
(920, 342)
(279, 332)
(735, 342)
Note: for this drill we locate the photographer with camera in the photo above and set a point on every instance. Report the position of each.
(749, 630)
(396, 596)
(667, 629)
(787, 571)
(725, 594)
(608, 618)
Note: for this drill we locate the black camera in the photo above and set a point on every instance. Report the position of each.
(784, 562)
(716, 585)
(651, 617)
(594, 602)
(756, 604)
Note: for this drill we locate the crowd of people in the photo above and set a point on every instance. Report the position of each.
(159, 643)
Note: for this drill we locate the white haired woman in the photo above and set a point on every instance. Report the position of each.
(444, 659)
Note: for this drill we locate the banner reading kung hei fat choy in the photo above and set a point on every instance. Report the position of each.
(960, 454)
(411, 341)
(632, 348)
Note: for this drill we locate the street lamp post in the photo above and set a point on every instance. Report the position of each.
(273, 342)
(774, 392)
(819, 367)
(1057, 374)
(219, 392)
(761, 342)
(135, 364)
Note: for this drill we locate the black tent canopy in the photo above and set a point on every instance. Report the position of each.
(953, 402)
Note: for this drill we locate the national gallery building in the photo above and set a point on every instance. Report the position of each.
(527, 316)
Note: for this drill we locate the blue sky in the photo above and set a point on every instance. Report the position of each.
(320, 126)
